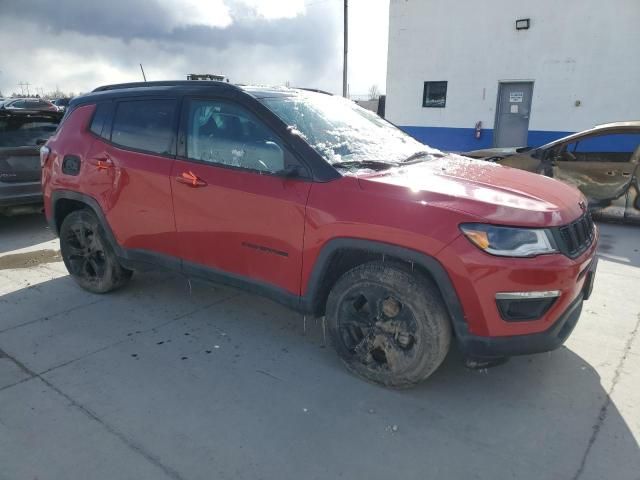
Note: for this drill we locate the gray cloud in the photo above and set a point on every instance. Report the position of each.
(119, 34)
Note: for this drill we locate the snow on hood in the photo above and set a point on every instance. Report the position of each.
(485, 190)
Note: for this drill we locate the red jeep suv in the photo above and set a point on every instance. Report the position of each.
(325, 207)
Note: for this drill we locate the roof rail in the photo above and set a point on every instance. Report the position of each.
(161, 83)
(316, 90)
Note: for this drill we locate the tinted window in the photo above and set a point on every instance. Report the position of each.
(434, 94)
(21, 131)
(222, 133)
(145, 125)
(100, 119)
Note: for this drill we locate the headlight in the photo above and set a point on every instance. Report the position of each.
(509, 241)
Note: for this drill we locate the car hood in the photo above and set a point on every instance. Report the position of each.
(485, 190)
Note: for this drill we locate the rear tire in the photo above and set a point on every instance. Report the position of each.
(388, 324)
(88, 255)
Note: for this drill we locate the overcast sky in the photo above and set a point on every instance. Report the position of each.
(77, 45)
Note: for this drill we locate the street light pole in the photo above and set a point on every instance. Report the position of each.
(346, 48)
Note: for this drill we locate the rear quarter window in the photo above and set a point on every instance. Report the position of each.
(101, 118)
(146, 125)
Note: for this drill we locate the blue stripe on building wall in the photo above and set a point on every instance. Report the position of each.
(464, 139)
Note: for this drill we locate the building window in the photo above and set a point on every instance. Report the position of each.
(435, 94)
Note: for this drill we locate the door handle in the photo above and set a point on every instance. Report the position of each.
(191, 179)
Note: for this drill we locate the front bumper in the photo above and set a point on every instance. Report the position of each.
(493, 347)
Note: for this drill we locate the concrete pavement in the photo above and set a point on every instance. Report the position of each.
(178, 379)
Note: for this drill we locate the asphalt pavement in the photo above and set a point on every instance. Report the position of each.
(172, 378)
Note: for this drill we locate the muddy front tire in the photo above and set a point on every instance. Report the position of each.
(388, 324)
(88, 255)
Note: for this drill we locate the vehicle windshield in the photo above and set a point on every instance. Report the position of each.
(344, 133)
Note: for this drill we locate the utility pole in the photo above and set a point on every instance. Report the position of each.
(345, 93)
(22, 85)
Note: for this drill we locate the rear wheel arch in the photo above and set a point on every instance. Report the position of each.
(66, 201)
(340, 255)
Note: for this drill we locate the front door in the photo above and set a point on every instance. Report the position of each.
(602, 167)
(236, 212)
(512, 114)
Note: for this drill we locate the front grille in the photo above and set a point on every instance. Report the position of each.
(576, 237)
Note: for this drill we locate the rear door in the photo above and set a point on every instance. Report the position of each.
(601, 167)
(235, 212)
(632, 211)
(130, 171)
(20, 138)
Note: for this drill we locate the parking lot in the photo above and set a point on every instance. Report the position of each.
(181, 379)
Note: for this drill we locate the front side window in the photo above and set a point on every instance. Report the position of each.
(434, 94)
(226, 134)
(146, 125)
(613, 147)
(342, 132)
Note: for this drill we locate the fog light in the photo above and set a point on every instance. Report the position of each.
(525, 306)
(525, 295)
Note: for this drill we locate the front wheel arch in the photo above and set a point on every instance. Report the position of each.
(322, 277)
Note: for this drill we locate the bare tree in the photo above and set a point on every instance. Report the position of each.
(374, 92)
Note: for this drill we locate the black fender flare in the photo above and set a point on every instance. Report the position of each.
(90, 202)
(427, 262)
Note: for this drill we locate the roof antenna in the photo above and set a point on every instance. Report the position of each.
(143, 75)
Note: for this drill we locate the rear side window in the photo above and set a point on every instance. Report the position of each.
(100, 118)
(146, 125)
(23, 131)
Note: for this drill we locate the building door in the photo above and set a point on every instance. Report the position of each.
(512, 114)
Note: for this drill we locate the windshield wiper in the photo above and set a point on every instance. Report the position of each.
(371, 164)
(420, 154)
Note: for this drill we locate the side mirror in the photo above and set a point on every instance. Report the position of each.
(291, 171)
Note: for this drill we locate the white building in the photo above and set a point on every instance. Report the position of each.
(530, 71)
